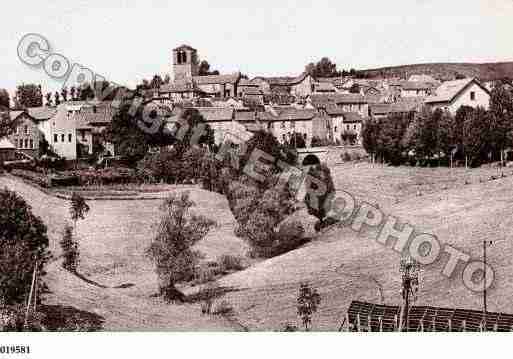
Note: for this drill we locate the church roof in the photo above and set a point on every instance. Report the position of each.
(217, 79)
(184, 47)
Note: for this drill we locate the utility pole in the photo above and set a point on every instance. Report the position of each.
(410, 282)
(484, 275)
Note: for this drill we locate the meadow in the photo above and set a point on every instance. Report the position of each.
(462, 207)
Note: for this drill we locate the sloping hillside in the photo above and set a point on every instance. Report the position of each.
(346, 266)
(446, 71)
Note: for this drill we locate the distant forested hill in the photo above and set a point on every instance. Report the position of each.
(446, 71)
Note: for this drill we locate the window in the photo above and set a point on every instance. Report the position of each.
(26, 130)
(347, 127)
(55, 138)
(283, 124)
(83, 136)
(17, 130)
(69, 137)
(16, 143)
(26, 143)
(472, 96)
(335, 129)
(62, 137)
(31, 143)
(354, 127)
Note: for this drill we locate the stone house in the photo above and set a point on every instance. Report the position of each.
(27, 135)
(451, 95)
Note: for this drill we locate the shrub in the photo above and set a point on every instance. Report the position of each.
(229, 263)
(35, 177)
(71, 254)
(171, 248)
(222, 308)
(308, 301)
(346, 157)
(23, 243)
(320, 190)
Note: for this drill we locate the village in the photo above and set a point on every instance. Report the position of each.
(305, 110)
(388, 141)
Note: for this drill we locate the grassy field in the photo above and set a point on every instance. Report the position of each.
(341, 264)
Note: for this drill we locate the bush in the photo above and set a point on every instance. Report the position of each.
(229, 263)
(35, 177)
(346, 157)
(71, 254)
(23, 243)
(171, 248)
(222, 308)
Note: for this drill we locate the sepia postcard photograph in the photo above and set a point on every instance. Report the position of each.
(176, 170)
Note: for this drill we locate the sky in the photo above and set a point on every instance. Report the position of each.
(126, 41)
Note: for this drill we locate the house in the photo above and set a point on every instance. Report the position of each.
(7, 150)
(218, 85)
(187, 83)
(383, 110)
(347, 127)
(324, 87)
(286, 121)
(26, 135)
(451, 95)
(220, 120)
(417, 89)
(347, 102)
(298, 86)
(73, 128)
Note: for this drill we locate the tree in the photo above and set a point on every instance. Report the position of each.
(57, 98)
(501, 111)
(7, 125)
(156, 82)
(478, 136)
(370, 133)
(28, 95)
(320, 191)
(69, 246)
(204, 69)
(73, 93)
(323, 68)
(308, 301)
(64, 94)
(171, 248)
(78, 208)
(23, 243)
(355, 88)
(48, 98)
(167, 79)
(5, 102)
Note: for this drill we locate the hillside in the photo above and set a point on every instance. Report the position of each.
(445, 71)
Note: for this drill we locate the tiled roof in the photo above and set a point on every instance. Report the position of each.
(42, 113)
(422, 78)
(325, 87)
(177, 87)
(248, 116)
(185, 47)
(352, 117)
(334, 110)
(246, 82)
(321, 100)
(411, 85)
(96, 114)
(217, 79)
(447, 91)
(5, 144)
(294, 114)
(284, 80)
(14, 114)
(398, 107)
(213, 114)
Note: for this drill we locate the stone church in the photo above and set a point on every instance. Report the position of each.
(187, 83)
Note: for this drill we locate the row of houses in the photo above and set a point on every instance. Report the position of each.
(332, 109)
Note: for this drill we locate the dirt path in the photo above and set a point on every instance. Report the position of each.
(112, 241)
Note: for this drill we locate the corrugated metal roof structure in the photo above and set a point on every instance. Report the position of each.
(364, 316)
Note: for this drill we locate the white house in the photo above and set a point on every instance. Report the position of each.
(451, 95)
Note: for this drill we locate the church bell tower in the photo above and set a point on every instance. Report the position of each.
(185, 63)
